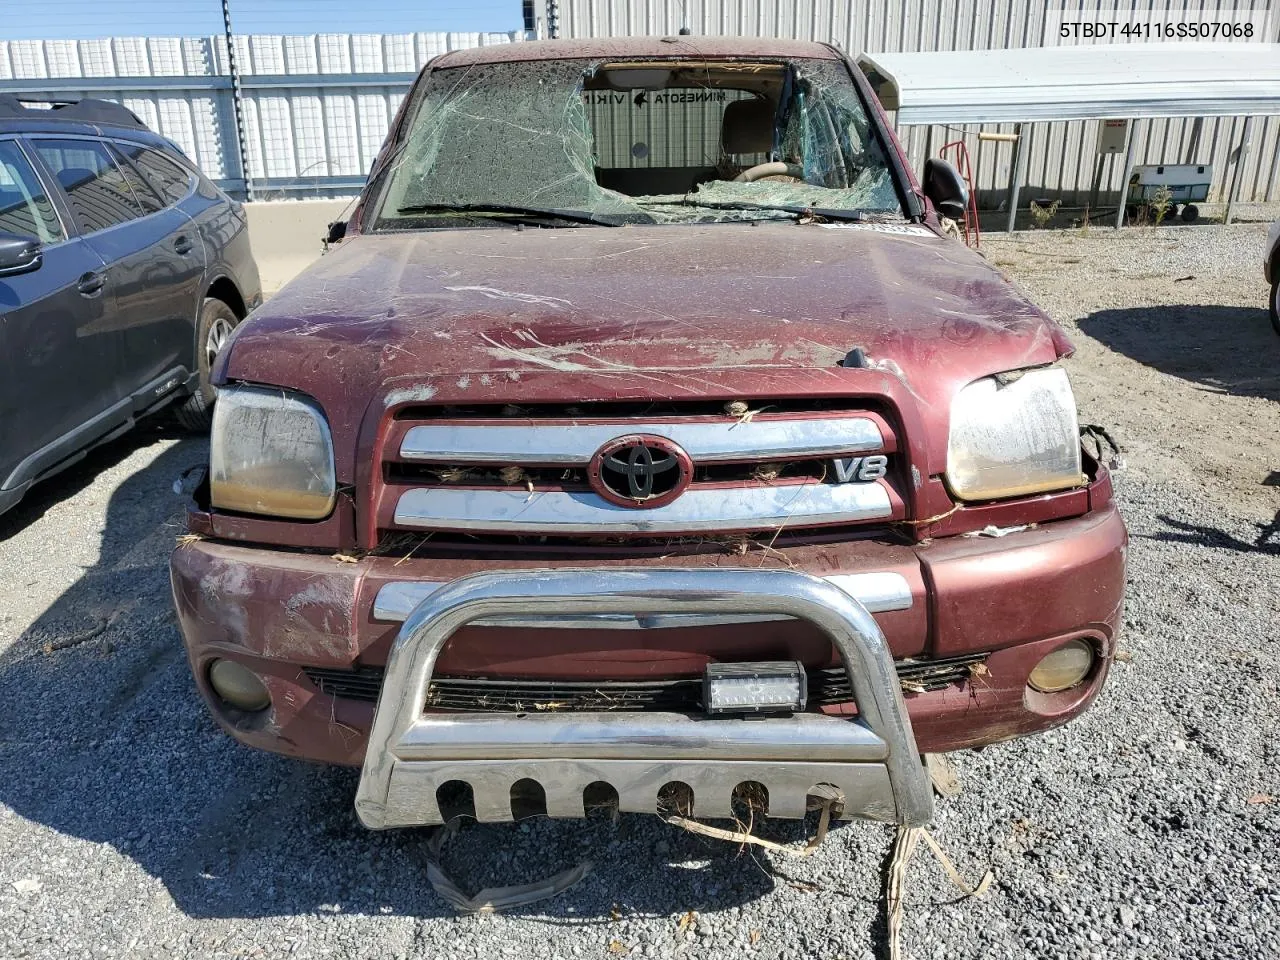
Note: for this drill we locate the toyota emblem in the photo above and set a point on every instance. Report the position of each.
(641, 471)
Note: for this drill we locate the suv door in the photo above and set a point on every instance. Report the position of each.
(154, 263)
(174, 341)
(56, 357)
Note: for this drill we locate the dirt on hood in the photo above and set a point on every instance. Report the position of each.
(499, 315)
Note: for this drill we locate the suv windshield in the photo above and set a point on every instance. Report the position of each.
(565, 142)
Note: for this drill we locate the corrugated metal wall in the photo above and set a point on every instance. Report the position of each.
(316, 108)
(1061, 162)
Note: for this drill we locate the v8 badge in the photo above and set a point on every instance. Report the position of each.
(860, 468)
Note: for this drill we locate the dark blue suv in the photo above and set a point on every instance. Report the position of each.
(123, 270)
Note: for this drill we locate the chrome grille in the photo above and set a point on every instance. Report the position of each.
(537, 475)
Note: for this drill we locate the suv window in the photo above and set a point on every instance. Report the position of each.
(99, 193)
(142, 190)
(24, 207)
(173, 182)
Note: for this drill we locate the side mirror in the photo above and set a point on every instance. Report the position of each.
(337, 230)
(18, 254)
(945, 188)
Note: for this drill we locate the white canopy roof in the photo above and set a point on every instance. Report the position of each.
(1078, 82)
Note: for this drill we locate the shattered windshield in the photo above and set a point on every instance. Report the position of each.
(572, 142)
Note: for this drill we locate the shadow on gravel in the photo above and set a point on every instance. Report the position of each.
(63, 486)
(103, 738)
(1267, 541)
(1226, 349)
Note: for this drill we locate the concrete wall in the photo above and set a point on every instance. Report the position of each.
(287, 236)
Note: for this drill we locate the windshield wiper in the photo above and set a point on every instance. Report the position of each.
(521, 214)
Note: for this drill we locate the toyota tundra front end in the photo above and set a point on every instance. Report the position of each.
(607, 452)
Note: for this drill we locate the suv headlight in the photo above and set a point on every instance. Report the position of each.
(1013, 438)
(270, 452)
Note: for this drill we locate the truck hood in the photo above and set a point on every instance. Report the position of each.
(737, 310)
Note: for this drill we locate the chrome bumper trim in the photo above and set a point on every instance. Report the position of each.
(554, 512)
(639, 736)
(878, 592)
(872, 758)
(706, 442)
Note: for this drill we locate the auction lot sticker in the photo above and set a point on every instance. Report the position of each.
(1153, 22)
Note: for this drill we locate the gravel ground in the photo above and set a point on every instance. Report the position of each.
(131, 827)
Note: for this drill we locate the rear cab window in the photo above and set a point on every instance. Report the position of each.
(100, 194)
(25, 208)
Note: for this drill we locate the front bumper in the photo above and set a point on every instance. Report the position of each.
(1015, 598)
(871, 759)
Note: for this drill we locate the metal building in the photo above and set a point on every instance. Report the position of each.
(1061, 157)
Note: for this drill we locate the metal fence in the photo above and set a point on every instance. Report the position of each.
(315, 108)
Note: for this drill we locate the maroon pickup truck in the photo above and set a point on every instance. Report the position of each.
(645, 433)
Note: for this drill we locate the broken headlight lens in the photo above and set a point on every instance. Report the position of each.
(1012, 435)
(271, 453)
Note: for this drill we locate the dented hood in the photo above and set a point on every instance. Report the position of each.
(478, 316)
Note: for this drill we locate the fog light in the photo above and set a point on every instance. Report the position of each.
(239, 686)
(1063, 668)
(780, 687)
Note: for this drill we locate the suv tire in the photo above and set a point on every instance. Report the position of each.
(217, 320)
(1275, 299)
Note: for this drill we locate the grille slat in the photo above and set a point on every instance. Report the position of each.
(553, 512)
(573, 443)
(828, 685)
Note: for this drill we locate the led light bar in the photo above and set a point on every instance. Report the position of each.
(767, 687)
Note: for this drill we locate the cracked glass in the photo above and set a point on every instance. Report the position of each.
(660, 141)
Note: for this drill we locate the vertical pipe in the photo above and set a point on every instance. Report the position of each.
(1017, 172)
(242, 154)
(1193, 145)
(1128, 171)
(1237, 178)
(1097, 181)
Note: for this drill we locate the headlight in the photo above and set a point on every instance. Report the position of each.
(1014, 438)
(270, 452)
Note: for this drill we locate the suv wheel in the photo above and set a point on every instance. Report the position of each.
(216, 323)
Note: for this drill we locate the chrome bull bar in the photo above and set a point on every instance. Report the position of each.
(872, 759)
